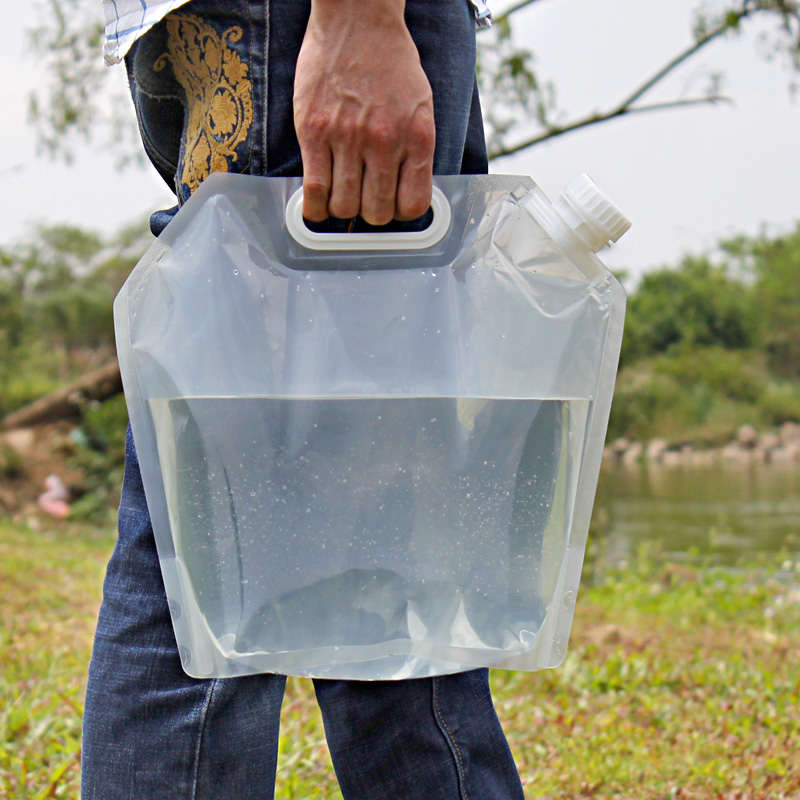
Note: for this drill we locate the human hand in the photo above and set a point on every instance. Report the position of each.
(363, 111)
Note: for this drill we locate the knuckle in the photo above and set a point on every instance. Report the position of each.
(349, 184)
(313, 128)
(347, 131)
(315, 189)
(422, 138)
(385, 199)
(382, 136)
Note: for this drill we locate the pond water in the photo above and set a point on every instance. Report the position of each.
(722, 514)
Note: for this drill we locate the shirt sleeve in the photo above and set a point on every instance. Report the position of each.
(127, 20)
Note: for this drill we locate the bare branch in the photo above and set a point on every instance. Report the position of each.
(597, 118)
(671, 65)
(730, 21)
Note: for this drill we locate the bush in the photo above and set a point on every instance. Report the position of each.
(100, 455)
(737, 375)
(699, 395)
(780, 403)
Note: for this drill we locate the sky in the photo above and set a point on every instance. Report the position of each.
(686, 178)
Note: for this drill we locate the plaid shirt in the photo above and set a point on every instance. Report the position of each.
(127, 20)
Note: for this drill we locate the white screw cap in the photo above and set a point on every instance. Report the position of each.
(590, 213)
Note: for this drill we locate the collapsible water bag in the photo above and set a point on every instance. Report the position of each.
(372, 455)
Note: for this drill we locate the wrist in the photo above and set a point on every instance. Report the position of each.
(383, 13)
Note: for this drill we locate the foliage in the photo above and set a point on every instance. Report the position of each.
(56, 295)
(709, 346)
(76, 104)
(678, 682)
(695, 305)
(773, 264)
(700, 394)
(780, 403)
(100, 456)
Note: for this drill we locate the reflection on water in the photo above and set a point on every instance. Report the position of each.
(722, 513)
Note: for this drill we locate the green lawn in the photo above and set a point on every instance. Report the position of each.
(679, 683)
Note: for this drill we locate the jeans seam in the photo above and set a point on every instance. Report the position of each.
(265, 70)
(450, 739)
(203, 719)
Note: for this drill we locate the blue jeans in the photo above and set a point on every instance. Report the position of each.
(212, 85)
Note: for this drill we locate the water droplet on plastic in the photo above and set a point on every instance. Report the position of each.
(236, 272)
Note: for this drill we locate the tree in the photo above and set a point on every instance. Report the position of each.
(56, 294)
(697, 304)
(518, 97)
(773, 265)
(521, 110)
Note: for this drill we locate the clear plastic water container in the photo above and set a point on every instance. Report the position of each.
(372, 455)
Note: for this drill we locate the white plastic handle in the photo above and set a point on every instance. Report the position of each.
(374, 240)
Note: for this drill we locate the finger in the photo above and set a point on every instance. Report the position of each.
(414, 190)
(379, 189)
(415, 182)
(345, 197)
(316, 182)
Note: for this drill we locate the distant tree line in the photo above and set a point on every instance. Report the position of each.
(747, 298)
(56, 294)
(709, 344)
(713, 343)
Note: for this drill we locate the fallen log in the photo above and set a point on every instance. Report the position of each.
(69, 401)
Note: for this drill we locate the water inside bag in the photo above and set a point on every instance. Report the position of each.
(404, 522)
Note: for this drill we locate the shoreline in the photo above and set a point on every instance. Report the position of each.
(779, 447)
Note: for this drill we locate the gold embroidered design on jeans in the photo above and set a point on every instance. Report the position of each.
(218, 91)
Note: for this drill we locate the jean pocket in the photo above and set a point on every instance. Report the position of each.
(193, 92)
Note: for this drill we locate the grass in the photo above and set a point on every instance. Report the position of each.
(679, 683)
